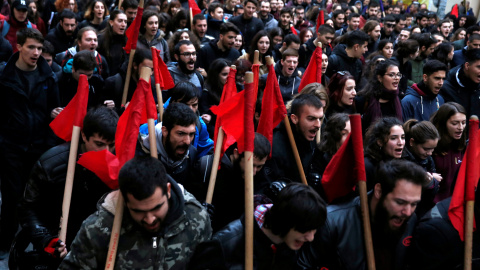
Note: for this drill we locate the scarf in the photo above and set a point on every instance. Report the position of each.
(374, 111)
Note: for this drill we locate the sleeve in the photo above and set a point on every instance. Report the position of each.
(407, 110)
(201, 57)
(205, 144)
(208, 255)
(331, 68)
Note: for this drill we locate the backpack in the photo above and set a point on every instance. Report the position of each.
(6, 26)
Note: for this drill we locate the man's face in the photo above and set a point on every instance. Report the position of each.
(372, 12)
(326, 38)
(399, 204)
(285, 19)
(295, 239)
(149, 213)
(432, 21)
(289, 65)
(353, 23)
(250, 8)
(462, 21)
(400, 25)
(388, 27)
(88, 42)
(29, 52)
(475, 44)
(300, 14)
(97, 143)
(273, 5)
(445, 29)
(20, 15)
(48, 58)
(396, 10)
(434, 82)
(473, 71)
(308, 122)
(360, 50)
(422, 22)
(76, 73)
(131, 14)
(339, 20)
(239, 12)
(178, 140)
(427, 52)
(187, 58)
(264, 9)
(408, 21)
(68, 25)
(217, 13)
(201, 28)
(404, 35)
(257, 165)
(228, 40)
(375, 33)
(193, 104)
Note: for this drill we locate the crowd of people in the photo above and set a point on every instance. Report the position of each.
(412, 74)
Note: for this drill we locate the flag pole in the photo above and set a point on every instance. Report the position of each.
(367, 232)
(157, 84)
(469, 203)
(248, 159)
(256, 58)
(191, 19)
(318, 137)
(295, 150)
(117, 221)
(130, 63)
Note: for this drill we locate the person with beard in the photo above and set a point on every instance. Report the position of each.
(15, 21)
(325, 35)
(305, 118)
(184, 70)
(372, 29)
(422, 99)
(200, 28)
(300, 22)
(285, 20)
(219, 48)
(247, 23)
(387, 31)
(174, 138)
(371, 13)
(266, 16)
(339, 244)
(352, 24)
(62, 36)
(459, 55)
(161, 228)
(426, 44)
(287, 74)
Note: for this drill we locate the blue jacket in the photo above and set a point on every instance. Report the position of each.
(419, 107)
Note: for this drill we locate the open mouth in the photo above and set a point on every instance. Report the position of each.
(397, 222)
(398, 151)
(395, 85)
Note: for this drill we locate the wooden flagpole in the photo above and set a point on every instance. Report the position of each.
(248, 159)
(295, 150)
(158, 89)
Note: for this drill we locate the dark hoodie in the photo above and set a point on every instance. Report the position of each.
(340, 61)
(210, 52)
(59, 39)
(288, 85)
(419, 103)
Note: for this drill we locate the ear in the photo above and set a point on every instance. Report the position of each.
(380, 143)
(19, 47)
(412, 141)
(466, 66)
(377, 192)
(84, 138)
(424, 48)
(169, 189)
(176, 57)
(294, 118)
(164, 131)
(356, 46)
(380, 79)
(425, 77)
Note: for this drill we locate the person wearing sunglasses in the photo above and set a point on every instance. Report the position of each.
(388, 27)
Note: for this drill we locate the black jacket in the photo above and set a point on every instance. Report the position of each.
(459, 88)
(59, 39)
(306, 51)
(115, 54)
(102, 66)
(288, 85)
(5, 49)
(210, 52)
(68, 88)
(248, 28)
(340, 61)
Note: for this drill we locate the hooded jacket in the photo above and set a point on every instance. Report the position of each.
(178, 76)
(158, 42)
(340, 61)
(186, 225)
(213, 26)
(59, 39)
(211, 52)
(288, 85)
(269, 22)
(62, 58)
(15, 25)
(418, 105)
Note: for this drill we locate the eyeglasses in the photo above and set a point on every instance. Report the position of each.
(189, 54)
(394, 75)
(343, 73)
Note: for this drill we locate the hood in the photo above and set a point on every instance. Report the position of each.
(340, 51)
(411, 91)
(281, 77)
(269, 18)
(457, 76)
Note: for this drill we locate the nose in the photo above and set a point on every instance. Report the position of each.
(318, 123)
(408, 210)
(354, 92)
(310, 235)
(149, 218)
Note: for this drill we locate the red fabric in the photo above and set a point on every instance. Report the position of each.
(455, 10)
(313, 73)
(50, 248)
(320, 19)
(104, 164)
(73, 114)
(466, 182)
(249, 111)
(132, 32)
(338, 181)
(160, 71)
(273, 108)
(150, 111)
(294, 31)
(195, 9)
(256, 78)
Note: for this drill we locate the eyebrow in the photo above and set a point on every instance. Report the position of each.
(158, 206)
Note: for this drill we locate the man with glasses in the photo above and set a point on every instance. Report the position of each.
(387, 30)
(186, 57)
(300, 22)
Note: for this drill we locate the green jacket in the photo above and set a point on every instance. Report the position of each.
(186, 225)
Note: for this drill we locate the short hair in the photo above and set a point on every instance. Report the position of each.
(84, 60)
(390, 172)
(299, 7)
(336, 13)
(237, 7)
(32, 33)
(421, 15)
(297, 207)
(473, 37)
(286, 10)
(82, 31)
(389, 18)
(353, 15)
(183, 92)
(198, 17)
(433, 66)
(102, 121)
(126, 4)
(213, 6)
(332, 134)
(373, 4)
(472, 55)
(305, 100)
(48, 48)
(291, 38)
(399, 17)
(141, 176)
(439, 23)
(471, 29)
(67, 14)
(289, 52)
(261, 146)
(141, 55)
(255, 2)
(356, 37)
(424, 39)
(178, 114)
(176, 49)
(228, 27)
(326, 29)
(419, 131)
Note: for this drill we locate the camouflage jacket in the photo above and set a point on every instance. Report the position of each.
(171, 248)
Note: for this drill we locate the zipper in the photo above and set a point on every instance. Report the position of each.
(154, 245)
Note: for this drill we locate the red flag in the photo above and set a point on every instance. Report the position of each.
(294, 31)
(132, 32)
(336, 180)
(455, 10)
(467, 179)
(320, 19)
(256, 78)
(193, 5)
(273, 108)
(160, 71)
(313, 73)
(73, 114)
(104, 164)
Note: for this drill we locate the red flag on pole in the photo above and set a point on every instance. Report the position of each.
(320, 19)
(73, 114)
(313, 73)
(193, 5)
(273, 108)
(132, 32)
(294, 31)
(336, 180)
(455, 10)
(104, 164)
(467, 179)
(160, 71)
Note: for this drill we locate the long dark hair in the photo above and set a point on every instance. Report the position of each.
(254, 46)
(379, 131)
(215, 87)
(439, 120)
(441, 52)
(332, 134)
(374, 86)
(108, 34)
(89, 15)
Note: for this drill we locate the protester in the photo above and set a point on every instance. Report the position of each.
(112, 40)
(63, 35)
(152, 36)
(261, 42)
(95, 14)
(342, 93)
(15, 21)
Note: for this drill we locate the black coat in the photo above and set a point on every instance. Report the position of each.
(59, 39)
(68, 88)
(210, 52)
(5, 50)
(340, 61)
(248, 28)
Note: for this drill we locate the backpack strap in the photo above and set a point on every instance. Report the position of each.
(99, 63)
(5, 27)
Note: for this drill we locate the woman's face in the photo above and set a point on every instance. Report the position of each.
(119, 24)
(450, 54)
(393, 147)
(391, 78)
(324, 63)
(424, 150)
(387, 51)
(151, 27)
(349, 93)
(456, 125)
(344, 134)
(330, 22)
(174, 9)
(33, 7)
(182, 24)
(184, 36)
(307, 36)
(263, 44)
(238, 42)
(414, 55)
(462, 34)
(218, 14)
(99, 10)
(71, 5)
(224, 75)
(277, 40)
(240, 78)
